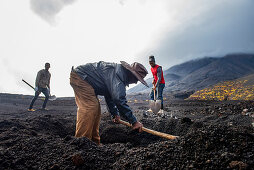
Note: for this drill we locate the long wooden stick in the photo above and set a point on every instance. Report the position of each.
(154, 93)
(154, 96)
(153, 132)
(28, 84)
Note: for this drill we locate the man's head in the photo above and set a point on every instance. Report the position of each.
(138, 70)
(131, 77)
(152, 61)
(47, 66)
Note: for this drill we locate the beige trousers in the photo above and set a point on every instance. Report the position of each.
(89, 111)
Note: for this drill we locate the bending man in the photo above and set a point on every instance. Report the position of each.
(108, 80)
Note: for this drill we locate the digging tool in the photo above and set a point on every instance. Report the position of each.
(153, 132)
(155, 104)
(51, 97)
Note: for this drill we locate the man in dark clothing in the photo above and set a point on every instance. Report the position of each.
(108, 80)
(42, 84)
(158, 81)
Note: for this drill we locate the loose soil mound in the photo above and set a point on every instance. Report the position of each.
(212, 136)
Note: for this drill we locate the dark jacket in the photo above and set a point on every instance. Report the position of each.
(109, 80)
(43, 78)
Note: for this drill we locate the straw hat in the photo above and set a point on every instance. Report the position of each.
(137, 69)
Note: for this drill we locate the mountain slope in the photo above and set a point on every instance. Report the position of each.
(239, 89)
(204, 72)
(190, 66)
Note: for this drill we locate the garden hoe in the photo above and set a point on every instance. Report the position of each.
(51, 97)
(155, 105)
(153, 132)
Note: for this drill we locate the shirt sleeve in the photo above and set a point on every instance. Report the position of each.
(118, 94)
(125, 110)
(111, 106)
(159, 76)
(38, 77)
(49, 80)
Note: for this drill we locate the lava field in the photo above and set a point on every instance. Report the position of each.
(212, 135)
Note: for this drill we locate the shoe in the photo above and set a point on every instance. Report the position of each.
(161, 111)
(150, 110)
(31, 110)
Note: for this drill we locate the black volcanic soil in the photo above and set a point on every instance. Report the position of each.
(213, 135)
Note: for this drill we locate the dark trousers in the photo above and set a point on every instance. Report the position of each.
(45, 91)
(160, 91)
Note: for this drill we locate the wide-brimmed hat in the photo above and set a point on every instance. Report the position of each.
(137, 69)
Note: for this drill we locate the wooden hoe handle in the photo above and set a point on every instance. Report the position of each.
(28, 84)
(154, 92)
(153, 132)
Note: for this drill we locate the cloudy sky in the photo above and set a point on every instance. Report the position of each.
(73, 32)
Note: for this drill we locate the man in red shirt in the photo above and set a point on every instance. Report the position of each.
(158, 81)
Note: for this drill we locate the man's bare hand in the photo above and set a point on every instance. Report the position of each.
(116, 119)
(137, 125)
(153, 82)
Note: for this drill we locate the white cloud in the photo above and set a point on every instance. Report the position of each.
(47, 9)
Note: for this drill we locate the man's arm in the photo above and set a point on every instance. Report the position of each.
(111, 107)
(153, 81)
(38, 77)
(159, 72)
(118, 96)
(49, 81)
(125, 110)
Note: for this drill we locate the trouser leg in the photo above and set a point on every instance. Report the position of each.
(86, 116)
(152, 95)
(37, 93)
(96, 127)
(46, 93)
(160, 93)
(88, 113)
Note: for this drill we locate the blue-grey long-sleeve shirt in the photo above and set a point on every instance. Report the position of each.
(109, 80)
(159, 72)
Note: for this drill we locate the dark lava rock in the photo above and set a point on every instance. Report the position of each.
(213, 135)
(186, 120)
(77, 160)
(55, 167)
(210, 147)
(238, 165)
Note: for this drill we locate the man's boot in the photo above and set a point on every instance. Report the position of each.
(161, 110)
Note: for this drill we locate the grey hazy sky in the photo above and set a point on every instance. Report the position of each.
(222, 27)
(73, 32)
